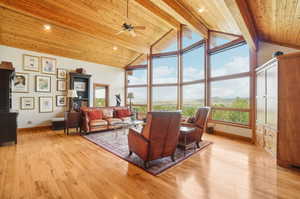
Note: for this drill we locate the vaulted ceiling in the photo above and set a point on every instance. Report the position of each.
(86, 29)
(82, 29)
(277, 21)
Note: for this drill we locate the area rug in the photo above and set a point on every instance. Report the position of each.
(116, 142)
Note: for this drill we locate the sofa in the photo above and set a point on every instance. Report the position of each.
(98, 119)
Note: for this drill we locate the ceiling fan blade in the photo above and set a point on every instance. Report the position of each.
(139, 27)
(132, 32)
(120, 32)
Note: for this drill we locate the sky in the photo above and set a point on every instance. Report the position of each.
(232, 61)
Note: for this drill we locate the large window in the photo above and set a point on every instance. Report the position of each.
(193, 64)
(230, 61)
(137, 77)
(189, 37)
(164, 98)
(232, 93)
(192, 98)
(165, 70)
(136, 88)
(182, 79)
(230, 85)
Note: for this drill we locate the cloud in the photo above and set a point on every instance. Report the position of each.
(231, 88)
(236, 65)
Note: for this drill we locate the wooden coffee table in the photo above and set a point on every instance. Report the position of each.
(185, 131)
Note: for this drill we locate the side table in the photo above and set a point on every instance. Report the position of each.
(185, 144)
(72, 120)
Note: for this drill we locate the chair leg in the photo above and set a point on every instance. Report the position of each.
(197, 143)
(146, 164)
(130, 153)
(173, 157)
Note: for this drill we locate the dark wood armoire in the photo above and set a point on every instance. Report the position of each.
(8, 118)
(81, 83)
(278, 108)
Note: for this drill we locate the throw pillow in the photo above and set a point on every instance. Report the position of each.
(108, 113)
(95, 115)
(123, 113)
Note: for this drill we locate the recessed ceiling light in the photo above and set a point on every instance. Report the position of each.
(201, 10)
(115, 48)
(47, 27)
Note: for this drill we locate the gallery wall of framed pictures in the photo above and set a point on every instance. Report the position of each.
(42, 72)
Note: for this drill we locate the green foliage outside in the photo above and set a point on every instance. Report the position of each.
(100, 102)
(189, 110)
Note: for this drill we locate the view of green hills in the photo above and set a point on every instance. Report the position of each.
(190, 107)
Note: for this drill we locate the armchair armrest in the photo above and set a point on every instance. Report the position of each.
(138, 144)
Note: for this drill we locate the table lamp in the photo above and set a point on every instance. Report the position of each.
(71, 95)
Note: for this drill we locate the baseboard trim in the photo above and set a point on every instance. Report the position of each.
(35, 128)
(233, 136)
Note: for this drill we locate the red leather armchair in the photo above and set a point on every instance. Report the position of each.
(199, 124)
(158, 138)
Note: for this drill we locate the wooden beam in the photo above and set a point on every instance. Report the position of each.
(295, 46)
(240, 12)
(142, 66)
(55, 15)
(160, 13)
(186, 16)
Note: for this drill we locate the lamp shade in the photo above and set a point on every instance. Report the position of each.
(72, 93)
(130, 96)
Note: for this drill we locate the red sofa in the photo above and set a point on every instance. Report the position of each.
(98, 119)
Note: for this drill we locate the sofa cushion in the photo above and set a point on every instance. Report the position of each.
(107, 113)
(98, 123)
(126, 119)
(122, 113)
(95, 114)
(112, 121)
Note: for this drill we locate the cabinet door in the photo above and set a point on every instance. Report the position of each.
(260, 98)
(271, 95)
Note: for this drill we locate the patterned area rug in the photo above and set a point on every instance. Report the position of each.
(116, 142)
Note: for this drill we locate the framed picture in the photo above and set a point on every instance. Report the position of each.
(21, 83)
(48, 65)
(27, 103)
(46, 104)
(43, 84)
(79, 86)
(61, 100)
(61, 85)
(31, 63)
(61, 73)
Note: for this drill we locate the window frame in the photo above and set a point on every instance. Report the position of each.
(207, 79)
(219, 49)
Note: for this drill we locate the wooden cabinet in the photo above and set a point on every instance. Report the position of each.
(278, 108)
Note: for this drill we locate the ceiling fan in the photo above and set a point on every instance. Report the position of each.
(127, 27)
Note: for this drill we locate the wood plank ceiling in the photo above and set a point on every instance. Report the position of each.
(213, 13)
(277, 21)
(86, 29)
(81, 29)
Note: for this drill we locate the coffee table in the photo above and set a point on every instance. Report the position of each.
(129, 124)
(185, 131)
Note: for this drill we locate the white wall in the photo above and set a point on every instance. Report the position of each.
(103, 74)
(266, 50)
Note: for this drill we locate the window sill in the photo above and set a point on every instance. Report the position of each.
(230, 124)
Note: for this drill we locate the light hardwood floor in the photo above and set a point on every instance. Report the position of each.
(48, 164)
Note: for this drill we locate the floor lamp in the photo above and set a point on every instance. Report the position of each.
(130, 97)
